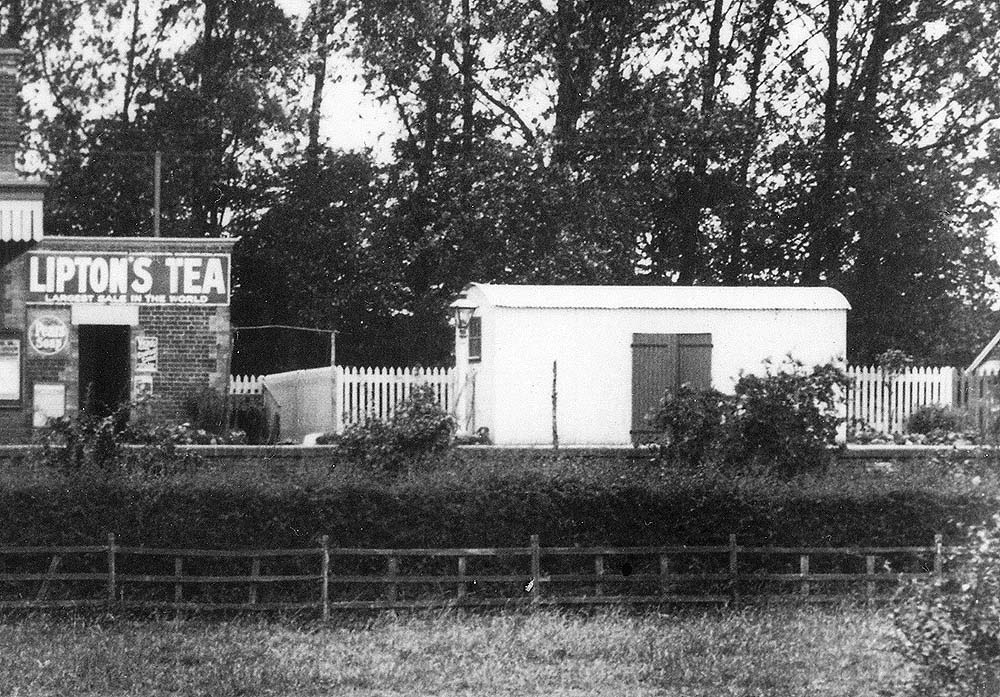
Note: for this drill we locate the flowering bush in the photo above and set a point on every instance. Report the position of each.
(785, 420)
(418, 428)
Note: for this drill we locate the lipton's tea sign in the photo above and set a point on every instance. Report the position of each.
(144, 279)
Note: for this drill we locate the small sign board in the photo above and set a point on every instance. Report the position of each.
(10, 370)
(49, 402)
(147, 354)
(142, 387)
(48, 335)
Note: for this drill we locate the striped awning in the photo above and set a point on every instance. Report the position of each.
(20, 221)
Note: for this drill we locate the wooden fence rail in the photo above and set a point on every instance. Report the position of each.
(326, 578)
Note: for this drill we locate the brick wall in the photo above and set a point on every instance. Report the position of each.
(10, 59)
(194, 342)
(194, 352)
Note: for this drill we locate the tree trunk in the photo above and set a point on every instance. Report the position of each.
(578, 29)
(695, 196)
(733, 272)
(130, 63)
(319, 83)
(468, 87)
(821, 257)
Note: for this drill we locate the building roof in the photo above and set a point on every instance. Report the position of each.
(984, 354)
(658, 297)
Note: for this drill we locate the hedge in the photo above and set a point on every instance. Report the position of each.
(485, 501)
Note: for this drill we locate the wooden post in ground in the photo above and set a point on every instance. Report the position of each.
(734, 572)
(178, 586)
(324, 581)
(536, 570)
(804, 572)
(111, 568)
(254, 573)
(938, 559)
(664, 573)
(461, 578)
(393, 573)
(555, 397)
(870, 571)
(53, 566)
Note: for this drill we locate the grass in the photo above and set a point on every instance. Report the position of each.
(787, 652)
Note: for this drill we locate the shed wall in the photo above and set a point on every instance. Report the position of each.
(593, 354)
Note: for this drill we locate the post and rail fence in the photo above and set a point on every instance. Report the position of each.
(326, 577)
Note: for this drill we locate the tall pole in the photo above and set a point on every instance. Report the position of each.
(157, 162)
(461, 378)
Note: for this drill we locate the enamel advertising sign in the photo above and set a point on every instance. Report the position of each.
(143, 279)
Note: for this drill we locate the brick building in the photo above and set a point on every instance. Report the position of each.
(89, 322)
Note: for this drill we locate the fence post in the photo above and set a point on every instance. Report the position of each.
(254, 572)
(53, 566)
(734, 577)
(664, 573)
(804, 572)
(870, 571)
(178, 586)
(324, 582)
(111, 568)
(536, 570)
(461, 578)
(393, 572)
(938, 560)
(599, 571)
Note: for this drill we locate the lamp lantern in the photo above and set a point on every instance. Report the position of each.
(463, 317)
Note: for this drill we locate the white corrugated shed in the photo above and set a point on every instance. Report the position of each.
(587, 361)
(662, 297)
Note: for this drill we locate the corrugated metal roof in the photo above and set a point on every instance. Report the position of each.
(661, 297)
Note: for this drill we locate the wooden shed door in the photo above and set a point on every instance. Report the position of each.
(661, 363)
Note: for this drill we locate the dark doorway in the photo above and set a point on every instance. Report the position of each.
(104, 367)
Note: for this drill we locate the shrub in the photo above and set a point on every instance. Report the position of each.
(418, 428)
(207, 411)
(786, 419)
(935, 417)
(693, 424)
(86, 444)
(950, 627)
(248, 416)
(498, 498)
(83, 441)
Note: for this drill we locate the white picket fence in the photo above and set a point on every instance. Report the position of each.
(304, 401)
(375, 392)
(886, 401)
(245, 384)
